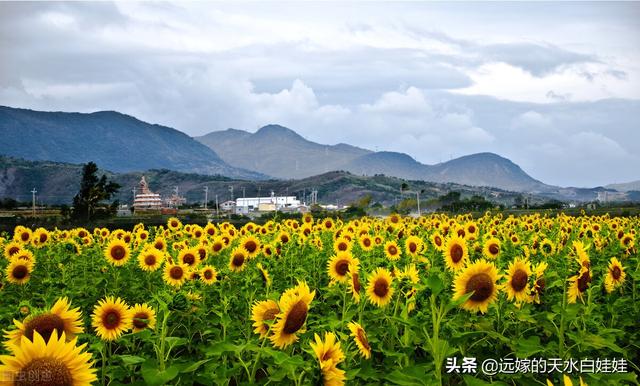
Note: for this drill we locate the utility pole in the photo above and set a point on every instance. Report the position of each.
(33, 199)
(217, 207)
(231, 190)
(418, 200)
(206, 196)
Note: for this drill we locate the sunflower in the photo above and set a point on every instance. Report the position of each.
(517, 285)
(392, 250)
(24, 254)
(283, 237)
(578, 285)
(150, 259)
(491, 249)
(22, 234)
(437, 241)
(111, 318)
(261, 313)
(117, 252)
(480, 279)
(342, 245)
(539, 284)
(174, 224)
(217, 245)
(413, 245)
(143, 317)
(329, 355)
(208, 275)
(360, 337)
(19, 271)
(615, 275)
(546, 247)
(355, 287)
(294, 307)
(410, 272)
(379, 290)
(251, 245)
(59, 318)
(159, 243)
(456, 253)
(48, 363)
(40, 237)
(338, 267)
(11, 249)
(366, 243)
(176, 274)
(189, 256)
(237, 259)
(266, 278)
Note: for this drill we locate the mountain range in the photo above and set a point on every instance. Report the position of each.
(281, 152)
(112, 140)
(122, 144)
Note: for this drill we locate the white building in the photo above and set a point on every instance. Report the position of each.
(228, 206)
(249, 204)
(146, 199)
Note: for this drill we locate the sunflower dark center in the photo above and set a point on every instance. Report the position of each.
(366, 242)
(176, 273)
(493, 249)
(208, 274)
(342, 246)
(111, 319)
(362, 338)
(140, 320)
(44, 371)
(413, 247)
(250, 246)
(174, 224)
(189, 259)
(20, 272)
(616, 272)
(356, 282)
(342, 267)
(45, 324)
(438, 241)
(546, 248)
(284, 239)
(481, 285)
(270, 314)
(217, 247)
(150, 260)
(519, 280)
(118, 252)
(393, 250)
(540, 284)
(296, 317)
(461, 232)
(456, 253)
(202, 253)
(381, 288)
(238, 260)
(24, 236)
(13, 250)
(583, 281)
(471, 229)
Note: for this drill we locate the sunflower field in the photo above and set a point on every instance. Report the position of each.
(435, 300)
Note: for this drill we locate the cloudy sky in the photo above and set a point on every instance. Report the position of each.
(553, 87)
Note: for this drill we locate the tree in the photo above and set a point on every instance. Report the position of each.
(93, 191)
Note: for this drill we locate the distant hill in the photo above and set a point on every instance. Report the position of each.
(57, 183)
(281, 152)
(625, 187)
(113, 140)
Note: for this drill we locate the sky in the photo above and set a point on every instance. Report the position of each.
(555, 87)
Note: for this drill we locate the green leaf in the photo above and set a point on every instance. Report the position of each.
(195, 366)
(435, 284)
(222, 347)
(131, 359)
(154, 377)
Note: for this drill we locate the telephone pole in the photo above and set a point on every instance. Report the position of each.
(217, 207)
(206, 196)
(33, 199)
(418, 200)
